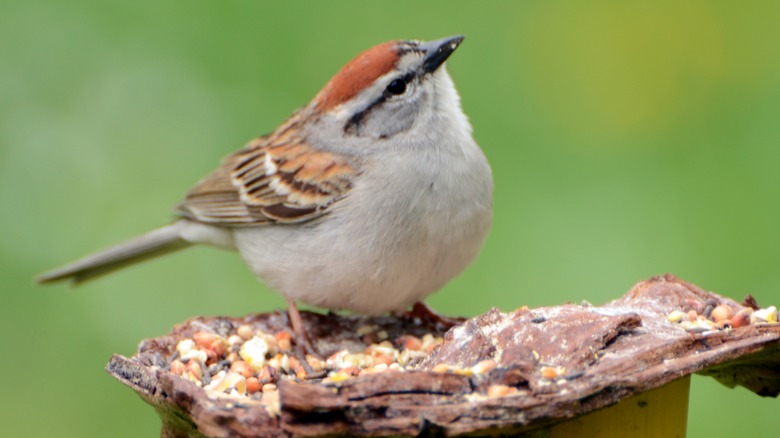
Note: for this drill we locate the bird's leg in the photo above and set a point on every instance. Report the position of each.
(421, 312)
(303, 344)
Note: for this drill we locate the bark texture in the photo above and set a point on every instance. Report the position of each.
(603, 354)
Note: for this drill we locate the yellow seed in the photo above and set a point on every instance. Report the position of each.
(427, 341)
(484, 366)
(338, 376)
(315, 363)
(194, 369)
(441, 368)
(245, 332)
(675, 316)
(468, 372)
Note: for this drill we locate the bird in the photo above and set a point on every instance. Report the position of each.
(367, 199)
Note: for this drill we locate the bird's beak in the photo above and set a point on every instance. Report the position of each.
(436, 52)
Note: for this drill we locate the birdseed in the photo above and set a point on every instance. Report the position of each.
(249, 363)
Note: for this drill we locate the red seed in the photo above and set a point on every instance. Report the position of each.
(177, 367)
(242, 368)
(253, 385)
(268, 374)
(352, 371)
(204, 339)
(211, 357)
(218, 346)
(742, 318)
(282, 335)
(296, 367)
(549, 373)
(383, 358)
(721, 313)
(194, 368)
(500, 390)
(284, 341)
(410, 342)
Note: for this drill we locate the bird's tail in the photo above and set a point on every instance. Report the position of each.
(152, 244)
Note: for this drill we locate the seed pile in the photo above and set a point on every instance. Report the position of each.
(721, 317)
(249, 363)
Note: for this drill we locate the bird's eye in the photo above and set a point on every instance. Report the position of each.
(398, 86)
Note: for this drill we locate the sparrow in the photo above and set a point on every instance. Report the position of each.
(368, 199)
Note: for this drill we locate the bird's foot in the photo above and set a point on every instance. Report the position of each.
(302, 344)
(423, 314)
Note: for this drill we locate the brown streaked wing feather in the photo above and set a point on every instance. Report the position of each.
(215, 200)
(289, 181)
(278, 178)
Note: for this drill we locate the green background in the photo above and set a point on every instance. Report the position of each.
(627, 139)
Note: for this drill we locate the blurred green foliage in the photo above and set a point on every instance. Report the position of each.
(627, 139)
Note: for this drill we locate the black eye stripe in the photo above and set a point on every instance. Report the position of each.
(357, 118)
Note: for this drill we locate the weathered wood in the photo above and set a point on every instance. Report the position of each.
(605, 354)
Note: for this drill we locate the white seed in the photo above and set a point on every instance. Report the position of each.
(366, 329)
(273, 345)
(198, 355)
(408, 355)
(766, 315)
(377, 368)
(427, 341)
(184, 346)
(284, 363)
(229, 380)
(271, 401)
(253, 352)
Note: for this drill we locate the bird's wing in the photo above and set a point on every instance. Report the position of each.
(277, 178)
